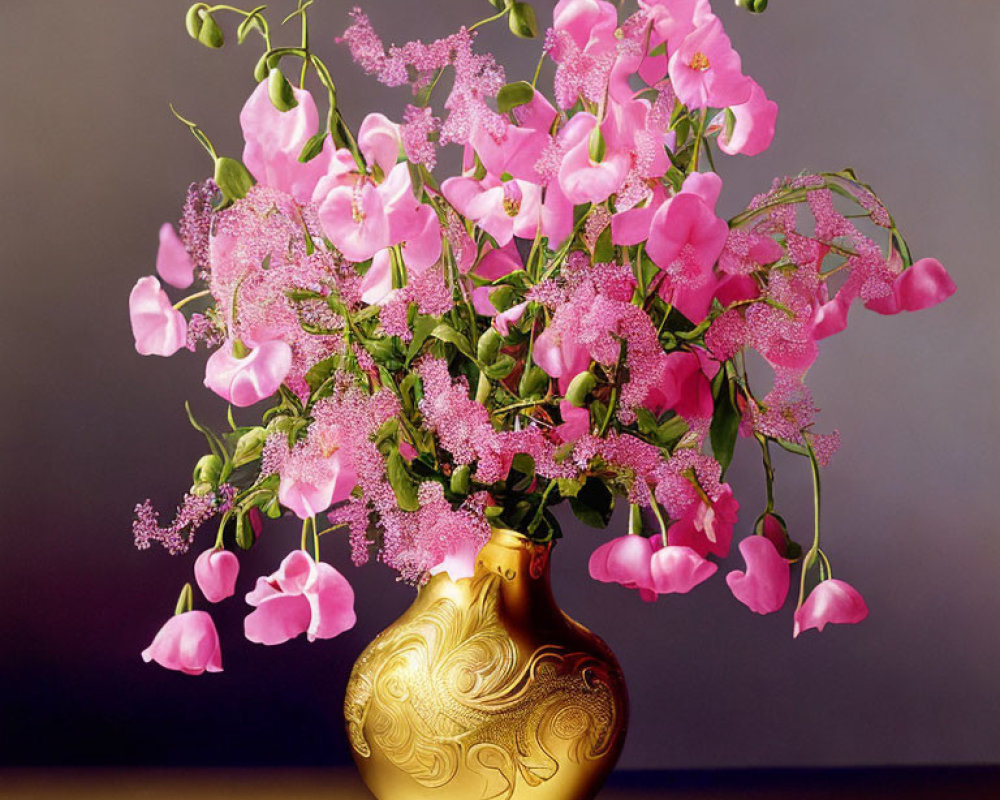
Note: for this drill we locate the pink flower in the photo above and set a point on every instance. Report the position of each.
(581, 178)
(522, 146)
(379, 140)
(707, 528)
(301, 597)
(159, 328)
(187, 642)
(316, 475)
(353, 217)
(215, 572)
(274, 141)
(675, 19)
(764, 586)
(503, 209)
(560, 357)
(832, 601)
(678, 569)
(459, 562)
(173, 263)
(591, 23)
(625, 560)
(706, 71)
(252, 378)
(754, 129)
(926, 283)
(683, 388)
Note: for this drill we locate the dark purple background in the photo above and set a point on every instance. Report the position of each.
(92, 162)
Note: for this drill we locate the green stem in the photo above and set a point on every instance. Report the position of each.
(768, 471)
(814, 551)
(181, 303)
(537, 519)
(700, 134)
(186, 600)
(659, 517)
(490, 19)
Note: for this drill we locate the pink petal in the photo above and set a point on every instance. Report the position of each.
(354, 219)
(677, 570)
(379, 140)
(215, 572)
(158, 328)
(923, 285)
(755, 122)
(576, 422)
(511, 316)
(625, 560)
(377, 282)
(459, 562)
(499, 261)
(173, 263)
(277, 619)
(187, 642)
(720, 83)
(245, 381)
(763, 588)
(331, 603)
(423, 248)
(832, 601)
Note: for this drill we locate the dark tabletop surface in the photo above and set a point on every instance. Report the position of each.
(911, 783)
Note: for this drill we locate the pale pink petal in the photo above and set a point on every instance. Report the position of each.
(379, 140)
(245, 381)
(278, 619)
(355, 220)
(158, 328)
(511, 316)
(677, 570)
(459, 562)
(755, 122)
(763, 588)
(705, 70)
(377, 282)
(331, 603)
(832, 601)
(625, 560)
(173, 263)
(215, 572)
(187, 642)
(423, 248)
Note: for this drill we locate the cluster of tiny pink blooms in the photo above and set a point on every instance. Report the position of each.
(565, 319)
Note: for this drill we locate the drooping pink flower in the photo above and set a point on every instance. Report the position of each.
(678, 569)
(274, 140)
(753, 131)
(626, 560)
(925, 284)
(159, 328)
(173, 263)
(303, 596)
(706, 71)
(248, 380)
(764, 586)
(215, 571)
(187, 642)
(832, 601)
(379, 140)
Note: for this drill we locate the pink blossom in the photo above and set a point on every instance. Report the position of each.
(256, 376)
(354, 218)
(187, 642)
(215, 571)
(379, 140)
(683, 388)
(832, 601)
(511, 316)
(159, 328)
(626, 560)
(560, 356)
(303, 596)
(522, 146)
(502, 209)
(707, 528)
(678, 569)
(582, 179)
(705, 70)
(591, 23)
(675, 19)
(631, 227)
(754, 129)
(173, 263)
(925, 284)
(274, 141)
(764, 586)
(317, 473)
(460, 560)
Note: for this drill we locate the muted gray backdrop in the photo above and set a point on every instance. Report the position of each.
(91, 163)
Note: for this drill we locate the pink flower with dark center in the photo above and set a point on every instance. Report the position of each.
(188, 643)
(706, 71)
(252, 378)
(159, 328)
(764, 586)
(753, 130)
(173, 263)
(274, 141)
(832, 601)
(303, 596)
(215, 572)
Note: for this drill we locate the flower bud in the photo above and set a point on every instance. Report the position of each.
(249, 447)
(206, 474)
(522, 21)
(534, 383)
(280, 91)
(597, 147)
(210, 34)
(753, 6)
(578, 389)
(460, 479)
(488, 347)
(193, 21)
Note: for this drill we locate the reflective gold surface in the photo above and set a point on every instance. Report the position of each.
(485, 690)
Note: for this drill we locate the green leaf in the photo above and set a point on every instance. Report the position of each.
(534, 383)
(422, 328)
(192, 20)
(402, 485)
(522, 21)
(446, 333)
(249, 447)
(725, 424)
(569, 487)
(252, 22)
(513, 95)
(593, 503)
(501, 368)
(604, 249)
(488, 346)
(210, 33)
(233, 179)
(460, 479)
(321, 371)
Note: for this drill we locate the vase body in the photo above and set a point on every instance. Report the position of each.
(485, 690)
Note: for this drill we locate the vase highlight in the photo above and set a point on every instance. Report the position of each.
(484, 689)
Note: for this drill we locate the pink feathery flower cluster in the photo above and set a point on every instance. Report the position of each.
(193, 512)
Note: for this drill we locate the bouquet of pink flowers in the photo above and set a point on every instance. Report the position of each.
(567, 319)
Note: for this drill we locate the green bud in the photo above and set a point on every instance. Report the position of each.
(499, 5)
(207, 470)
(244, 532)
(273, 508)
(534, 383)
(210, 34)
(232, 178)
(501, 368)
(483, 389)
(522, 21)
(578, 389)
(280, 91)
(489, 344)
(753, 6)
(193, 21)
(513, 95)
(597, 146)
(249, 447)
(261, 69)
(461, 479)
(185, 602)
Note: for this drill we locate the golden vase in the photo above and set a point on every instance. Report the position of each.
(485, 690)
